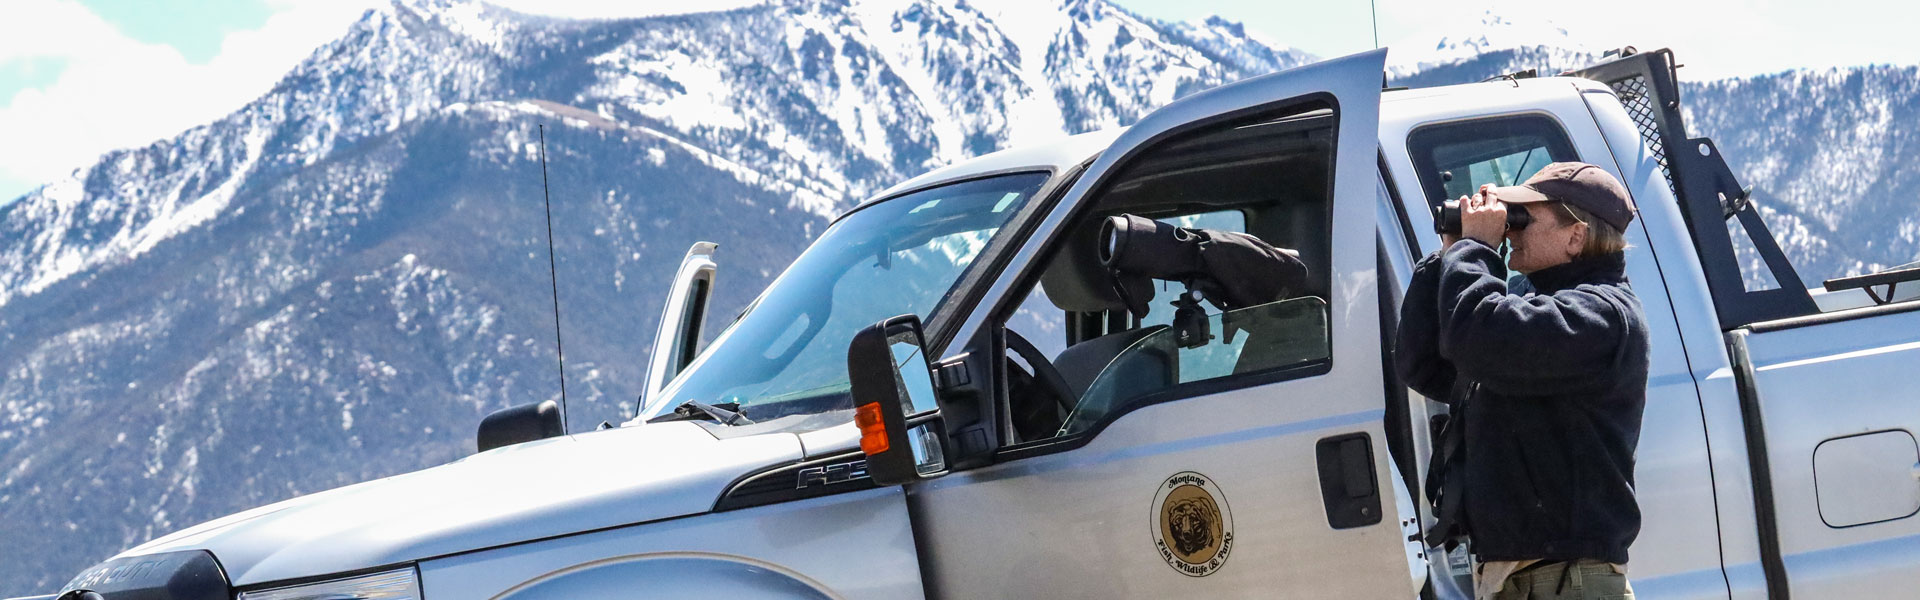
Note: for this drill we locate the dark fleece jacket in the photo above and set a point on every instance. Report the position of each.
(1548, 388)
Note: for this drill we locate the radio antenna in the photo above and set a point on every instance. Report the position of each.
(553, 275)
(1373, 8)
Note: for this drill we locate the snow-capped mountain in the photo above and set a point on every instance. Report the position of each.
(335, 282)
(1473, 38)
(1833, 156)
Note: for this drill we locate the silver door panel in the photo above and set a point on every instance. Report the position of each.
(1084, 524)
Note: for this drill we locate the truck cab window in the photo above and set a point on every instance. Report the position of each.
(1454, 159)
(784, 362)
(1270, 178)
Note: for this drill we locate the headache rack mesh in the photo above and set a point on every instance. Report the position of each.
(1633, 93)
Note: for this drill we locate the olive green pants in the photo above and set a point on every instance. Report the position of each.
(1584, 580)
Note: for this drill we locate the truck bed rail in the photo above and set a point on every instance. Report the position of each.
(1892, 278)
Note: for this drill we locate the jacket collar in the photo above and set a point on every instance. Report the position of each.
(1611, 268)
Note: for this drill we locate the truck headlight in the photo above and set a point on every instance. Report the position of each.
(398, 584)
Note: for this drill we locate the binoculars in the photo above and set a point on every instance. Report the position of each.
(1446, 217)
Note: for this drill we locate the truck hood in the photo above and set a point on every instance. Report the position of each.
(504, 496)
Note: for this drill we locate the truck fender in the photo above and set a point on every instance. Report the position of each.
(670, 575)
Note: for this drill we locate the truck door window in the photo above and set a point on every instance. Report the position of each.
(1045, 324)
(1454, 159)
(1270, 177)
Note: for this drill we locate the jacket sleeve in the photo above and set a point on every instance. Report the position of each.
(1416, 351)
(1522, 345)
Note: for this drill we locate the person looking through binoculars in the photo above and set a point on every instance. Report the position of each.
(1545, 379)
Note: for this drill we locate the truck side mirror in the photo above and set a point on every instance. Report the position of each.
(523, 423)
(893, 400)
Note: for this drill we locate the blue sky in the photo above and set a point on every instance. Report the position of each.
(82, 77)
(194, 28)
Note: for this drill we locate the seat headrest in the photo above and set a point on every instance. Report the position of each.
(1075, 280)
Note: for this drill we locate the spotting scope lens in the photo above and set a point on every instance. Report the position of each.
(1110, 232)
(1141, 246)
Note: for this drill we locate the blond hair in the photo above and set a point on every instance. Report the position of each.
(1602, 238)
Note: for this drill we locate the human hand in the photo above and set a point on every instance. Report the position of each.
(1484, 217)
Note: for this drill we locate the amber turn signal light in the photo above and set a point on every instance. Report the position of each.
(873, 430)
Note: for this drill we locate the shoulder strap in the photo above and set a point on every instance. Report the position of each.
(1446, 478)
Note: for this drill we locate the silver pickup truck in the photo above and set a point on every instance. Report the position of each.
(946, 396)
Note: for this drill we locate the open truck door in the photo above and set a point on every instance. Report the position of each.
(1096, 451)
(677, 340)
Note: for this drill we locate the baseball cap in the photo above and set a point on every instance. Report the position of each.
(1578, 184)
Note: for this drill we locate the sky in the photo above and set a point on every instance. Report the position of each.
(82, 77)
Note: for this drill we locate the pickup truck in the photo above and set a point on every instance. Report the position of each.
(946, 396)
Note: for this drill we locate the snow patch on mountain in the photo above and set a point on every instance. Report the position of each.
(1033, 118)
(1472, 36)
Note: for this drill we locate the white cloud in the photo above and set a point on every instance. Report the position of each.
(116, 92)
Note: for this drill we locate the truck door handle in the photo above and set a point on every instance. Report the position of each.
(1347, 480)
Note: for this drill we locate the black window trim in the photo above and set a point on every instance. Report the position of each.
(1412, 245)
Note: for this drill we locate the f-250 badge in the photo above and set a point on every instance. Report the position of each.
(831, 474)
(1192, 524)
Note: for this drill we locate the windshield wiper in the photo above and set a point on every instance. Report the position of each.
(727, 413)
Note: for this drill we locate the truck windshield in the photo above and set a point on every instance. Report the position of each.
(785, 360)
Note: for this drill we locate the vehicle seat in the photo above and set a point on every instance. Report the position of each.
(1081, 363)
(1110, 370)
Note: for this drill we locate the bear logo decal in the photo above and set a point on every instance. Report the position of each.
(1192, 527)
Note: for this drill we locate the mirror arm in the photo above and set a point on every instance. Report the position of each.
(931, 417)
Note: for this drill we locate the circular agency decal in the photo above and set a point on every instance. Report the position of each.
(1192, 524)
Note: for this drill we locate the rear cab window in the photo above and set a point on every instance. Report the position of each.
(1454, 159)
